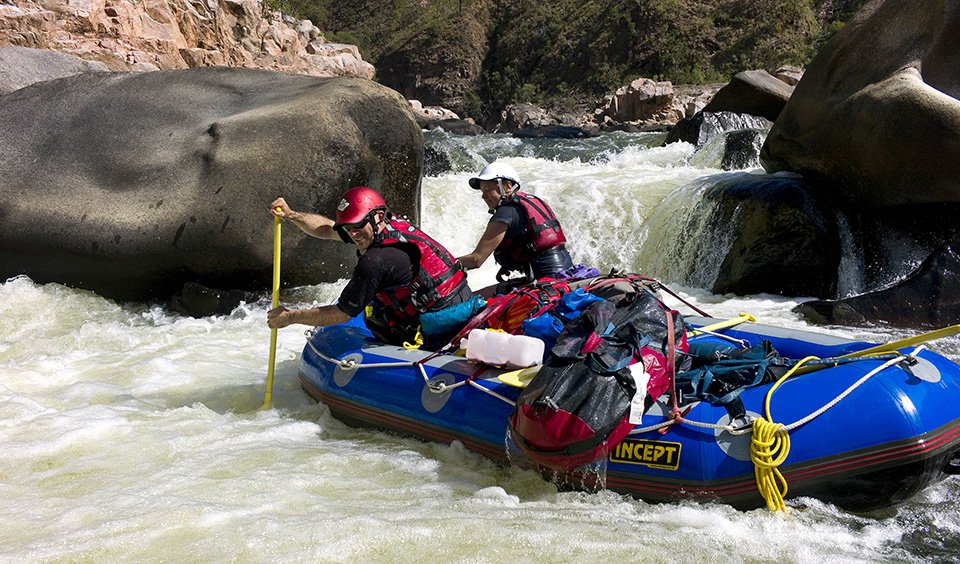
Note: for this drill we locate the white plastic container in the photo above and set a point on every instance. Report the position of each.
(503, 349)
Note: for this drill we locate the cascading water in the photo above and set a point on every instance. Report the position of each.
(131, 433)
(603, 190)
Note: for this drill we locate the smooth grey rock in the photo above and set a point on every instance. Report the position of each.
(133, 184)
(22, 66)
(877, 111)
(754, 92)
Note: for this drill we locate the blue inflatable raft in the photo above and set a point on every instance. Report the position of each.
(863, 434)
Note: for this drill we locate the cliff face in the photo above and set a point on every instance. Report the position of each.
(440, 62)
(478, 56)
(166, 34)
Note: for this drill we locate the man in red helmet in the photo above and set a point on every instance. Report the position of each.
(401, 271)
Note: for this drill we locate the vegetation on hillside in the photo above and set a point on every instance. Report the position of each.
(477, 56)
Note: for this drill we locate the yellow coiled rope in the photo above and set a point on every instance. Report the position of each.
(769, 447)
(417, 341)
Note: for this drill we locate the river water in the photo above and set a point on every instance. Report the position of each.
(129, 433)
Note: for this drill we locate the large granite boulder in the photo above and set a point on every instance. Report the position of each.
(22, 66)
(754, 92)
(877, 111)
(132, 184)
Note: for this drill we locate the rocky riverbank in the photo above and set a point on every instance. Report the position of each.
(138, 35)
(129, 35)
(642, 105)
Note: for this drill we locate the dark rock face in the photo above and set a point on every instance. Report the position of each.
(786, 239)
(197, 300)
(753, 92)
(877, 111)
(741, 149)
(929, 297)
(435, 162)
(132, 185)
(553, 132)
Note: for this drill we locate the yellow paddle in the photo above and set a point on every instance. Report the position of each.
(744, 317)
(268, 396)
(948, 331)
(908, 342)
(520, 378)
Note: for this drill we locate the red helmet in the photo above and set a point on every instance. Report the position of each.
(357, 204)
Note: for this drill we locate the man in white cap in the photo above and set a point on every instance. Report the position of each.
(523, 235)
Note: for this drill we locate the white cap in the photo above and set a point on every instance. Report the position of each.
(494, 171)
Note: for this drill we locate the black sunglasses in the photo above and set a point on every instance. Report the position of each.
(355, 226)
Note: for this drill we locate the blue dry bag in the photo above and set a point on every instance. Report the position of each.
(548, 325)
(451, 319)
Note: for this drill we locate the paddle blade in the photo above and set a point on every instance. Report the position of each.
(908, 342)
(890, 347)
(520, 378)
(268, 394)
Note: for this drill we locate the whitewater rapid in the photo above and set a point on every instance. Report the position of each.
(130, 433)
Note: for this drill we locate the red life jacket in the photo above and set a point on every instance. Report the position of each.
(543, 232)
(437, 280)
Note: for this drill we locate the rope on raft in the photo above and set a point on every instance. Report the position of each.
(769, 446)
(434, 387)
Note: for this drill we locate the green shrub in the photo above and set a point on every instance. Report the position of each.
(547, 51)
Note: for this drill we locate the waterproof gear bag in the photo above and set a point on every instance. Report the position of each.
(719, 373)
(507, 312)
(548, 325)
(450, 319)
(577, 407)
(579, 271)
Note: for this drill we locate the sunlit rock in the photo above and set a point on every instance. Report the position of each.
(132, 184)
(22, 66)
(876, 112)
(753, 92)
(151, 35)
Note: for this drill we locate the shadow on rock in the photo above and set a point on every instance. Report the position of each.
(196, 300)
(929, 297)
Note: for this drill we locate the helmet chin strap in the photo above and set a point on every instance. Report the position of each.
(376, 223)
